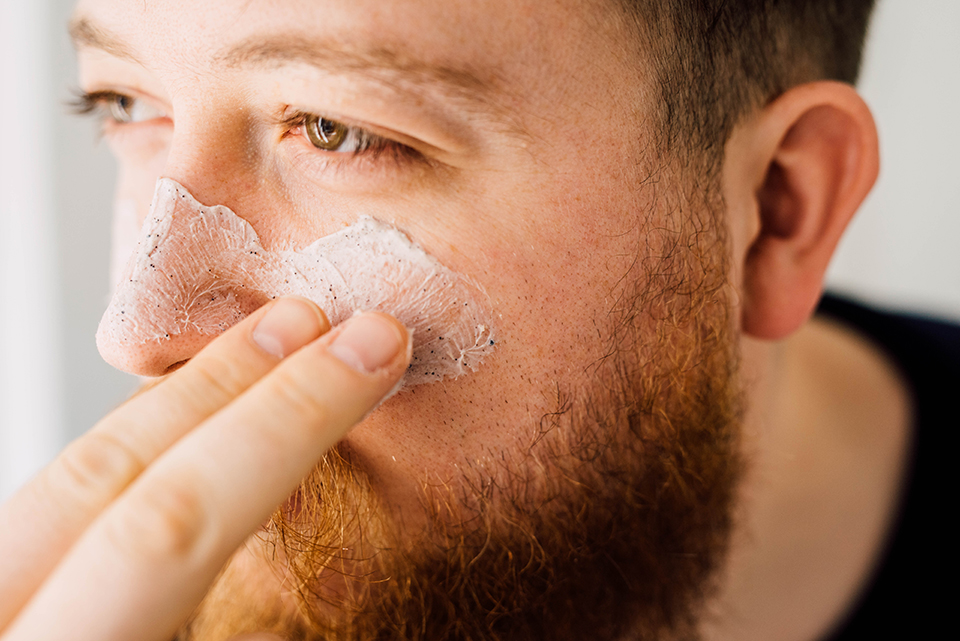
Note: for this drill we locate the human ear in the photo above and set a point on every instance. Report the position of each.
(798, 171)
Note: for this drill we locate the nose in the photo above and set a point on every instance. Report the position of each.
(197, 271)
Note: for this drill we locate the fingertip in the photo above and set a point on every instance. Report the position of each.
(324, 322)
(289, 324)
(370, 342)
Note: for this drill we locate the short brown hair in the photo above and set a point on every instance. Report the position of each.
(718, 59)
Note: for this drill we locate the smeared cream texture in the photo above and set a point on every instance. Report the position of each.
(200, 270)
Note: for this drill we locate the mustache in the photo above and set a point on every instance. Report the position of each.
(330, 533)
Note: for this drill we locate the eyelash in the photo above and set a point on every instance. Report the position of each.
(372, 147)
(86, 103)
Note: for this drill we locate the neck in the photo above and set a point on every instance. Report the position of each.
(826, 439)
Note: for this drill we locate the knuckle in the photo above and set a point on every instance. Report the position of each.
(299, 398)
(162, 523)
(214, 374)
(95, 468)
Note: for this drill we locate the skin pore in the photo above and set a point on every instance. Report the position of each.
(605, 431)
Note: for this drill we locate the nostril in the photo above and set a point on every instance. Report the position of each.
(176, 366)
(152, 357)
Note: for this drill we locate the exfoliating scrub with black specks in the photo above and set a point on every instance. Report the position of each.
(202, 269)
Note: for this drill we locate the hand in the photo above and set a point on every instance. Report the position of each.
(120, 537)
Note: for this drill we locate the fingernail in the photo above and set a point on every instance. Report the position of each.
(287, 326)
(367, 342)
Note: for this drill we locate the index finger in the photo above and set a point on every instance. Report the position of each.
(147, 561)
(44, 519)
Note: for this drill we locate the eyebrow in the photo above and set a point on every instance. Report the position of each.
(275, 51)
(85, 33)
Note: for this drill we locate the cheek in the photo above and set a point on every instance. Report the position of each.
(556, 270)
(561, 265)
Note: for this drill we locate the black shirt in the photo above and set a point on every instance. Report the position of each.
(911, 592)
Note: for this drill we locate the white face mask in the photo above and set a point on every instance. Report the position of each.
(202, 269)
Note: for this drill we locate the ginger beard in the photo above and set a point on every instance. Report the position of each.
(609, 523)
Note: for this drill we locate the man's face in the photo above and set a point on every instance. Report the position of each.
(514, 142)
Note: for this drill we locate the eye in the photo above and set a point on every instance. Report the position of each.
(116, 107)
(330, 143)
(121, 107)
(327, 134)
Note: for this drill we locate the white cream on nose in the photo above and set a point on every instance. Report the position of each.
(201, 269)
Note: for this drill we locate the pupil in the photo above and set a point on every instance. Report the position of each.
(328, 129)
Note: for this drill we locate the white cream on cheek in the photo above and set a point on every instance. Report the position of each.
(200, 270)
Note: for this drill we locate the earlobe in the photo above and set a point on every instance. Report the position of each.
(819, 160)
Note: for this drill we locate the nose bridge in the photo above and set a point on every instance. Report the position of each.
(220, 151)
(192, 276)
(213, 152)
(194, 271)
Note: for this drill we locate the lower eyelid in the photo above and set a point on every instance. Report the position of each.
(110, 125)
(364, 170)
(153, 112)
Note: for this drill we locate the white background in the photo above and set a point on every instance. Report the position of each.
(55, 202)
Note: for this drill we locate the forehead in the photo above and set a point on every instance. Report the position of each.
(519, 48)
